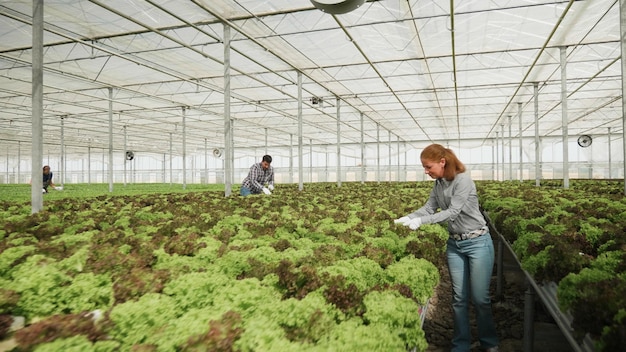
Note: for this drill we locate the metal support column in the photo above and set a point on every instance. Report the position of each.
(300, 171)
(37, 109)
(521, 146)
(228, 130)
(529, 318)
(537, 142)
(338, 142)
(184, 122)
(564, 116)
(362, 152)
(110, 170)
(125, 157)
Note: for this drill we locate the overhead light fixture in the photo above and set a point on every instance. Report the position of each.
(337, 7)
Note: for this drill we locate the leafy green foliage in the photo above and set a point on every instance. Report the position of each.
(399, 313)
(59, 327)
(574, 237)
(178, 271)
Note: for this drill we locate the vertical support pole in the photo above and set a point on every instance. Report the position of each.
(538, 172)
(510, 150)
(300, 171)
(7, 165)
(206, 162)
(229, 155)
(389, 158)
(502, 139)
(125, 158)
(171, 159)
(521, 145)
(406, 160)
(564, 116)
(362, 146)
(82, 170)
(622, 25)
(499, 270)
(378, 152)
(89, 165)
(311, 160)
(398, 157)
(497, 155)
(291, 158)
(338, 142)
(110, 139)
(37, 109)
(362, 152)
(529, 318)
(609, 146)
(19, 162)
(184, 122)
(62, 168)
(327, 162)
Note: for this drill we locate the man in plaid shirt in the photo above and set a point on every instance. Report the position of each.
(260, 174)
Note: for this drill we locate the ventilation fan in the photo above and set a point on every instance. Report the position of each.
(217, 152)
(130, 155)
(584, 140)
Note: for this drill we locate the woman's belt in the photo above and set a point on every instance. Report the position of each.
(469, 235)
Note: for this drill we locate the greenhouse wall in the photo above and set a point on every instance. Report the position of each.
(383, 163)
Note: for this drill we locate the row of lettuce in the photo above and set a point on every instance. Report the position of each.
(575, 237)
(315, 270)
(320, 269)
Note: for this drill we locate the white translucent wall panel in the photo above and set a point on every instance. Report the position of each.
(320, 162)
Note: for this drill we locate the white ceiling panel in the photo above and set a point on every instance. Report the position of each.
(416, 70)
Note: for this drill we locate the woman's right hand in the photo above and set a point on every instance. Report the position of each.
(402, 221)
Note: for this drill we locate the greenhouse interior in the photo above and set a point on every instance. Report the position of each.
(196, 88)
(344, 95)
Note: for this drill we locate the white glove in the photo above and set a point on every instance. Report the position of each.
(403, 220)
(266, 191)
(270, 187)
(414, 224)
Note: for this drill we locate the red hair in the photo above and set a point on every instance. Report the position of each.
(436, 152)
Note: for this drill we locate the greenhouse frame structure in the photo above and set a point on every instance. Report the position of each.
(199, 90)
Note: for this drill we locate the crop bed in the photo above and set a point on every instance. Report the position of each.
(325, 268)
(573, 239)
(320, 269)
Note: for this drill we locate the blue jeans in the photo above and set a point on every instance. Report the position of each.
(244, 191)
(470, 263)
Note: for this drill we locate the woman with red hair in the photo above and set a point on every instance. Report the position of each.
(470, 250)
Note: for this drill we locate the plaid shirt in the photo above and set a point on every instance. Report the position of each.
(257, 178)
(47, 179)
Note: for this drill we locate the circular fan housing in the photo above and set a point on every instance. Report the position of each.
(584, 141)
(130, 155)
(337, 7)
(217, 152)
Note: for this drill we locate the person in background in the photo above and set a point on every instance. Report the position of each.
(469, 251)
(47, 178)
(260, 175)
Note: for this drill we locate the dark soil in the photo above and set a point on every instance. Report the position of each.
(508, 315)
(508, 312)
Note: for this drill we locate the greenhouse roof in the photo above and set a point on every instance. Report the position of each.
(414, 71)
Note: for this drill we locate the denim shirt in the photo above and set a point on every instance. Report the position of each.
(453, 201)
